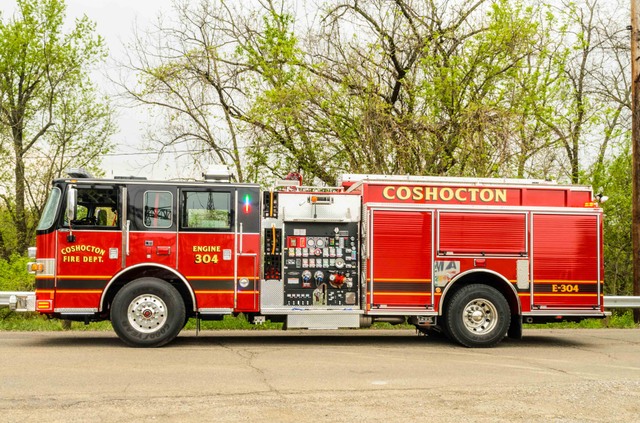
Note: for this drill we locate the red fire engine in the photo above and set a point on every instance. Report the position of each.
(471, 258)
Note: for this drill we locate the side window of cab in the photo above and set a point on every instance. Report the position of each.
(97, 208)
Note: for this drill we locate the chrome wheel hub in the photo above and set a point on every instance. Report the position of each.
(147, 313)
(480, 316)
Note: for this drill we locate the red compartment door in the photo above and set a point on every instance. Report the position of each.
(401, 264)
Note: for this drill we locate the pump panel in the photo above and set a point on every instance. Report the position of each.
(321, 264)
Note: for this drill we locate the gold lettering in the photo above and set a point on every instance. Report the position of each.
(388, 194)
(83, 249)
(403, 193)
(446, 194)
(206, 249)
(430, 193)
(486, 195)
(459, 193)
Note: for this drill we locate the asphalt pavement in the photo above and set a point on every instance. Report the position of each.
(561, 375)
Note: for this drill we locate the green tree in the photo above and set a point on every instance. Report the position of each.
(192, 84)
(479, 88)
(614, 181)
(42, 68)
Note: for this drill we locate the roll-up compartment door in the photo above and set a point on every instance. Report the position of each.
(400, 273)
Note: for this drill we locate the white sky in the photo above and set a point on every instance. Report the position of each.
(115, 20)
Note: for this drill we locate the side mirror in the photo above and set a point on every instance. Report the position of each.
(70, 212)
(72, 202)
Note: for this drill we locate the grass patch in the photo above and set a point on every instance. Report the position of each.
(232, 323)
(618, 320)
(32, 322)
(385, 325)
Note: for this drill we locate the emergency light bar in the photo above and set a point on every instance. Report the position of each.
(78, 172)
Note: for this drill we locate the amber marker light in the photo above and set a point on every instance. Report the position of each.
(43, 305)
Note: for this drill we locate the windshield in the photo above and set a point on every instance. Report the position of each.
(50, 209)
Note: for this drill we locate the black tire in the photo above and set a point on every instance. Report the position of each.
(147, 312)
(477, 316)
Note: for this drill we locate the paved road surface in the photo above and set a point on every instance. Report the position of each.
(331, 376)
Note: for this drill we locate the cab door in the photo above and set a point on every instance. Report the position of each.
(151, 225)
(89, 247)
(207, 245)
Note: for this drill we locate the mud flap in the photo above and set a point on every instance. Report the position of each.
(515, 328)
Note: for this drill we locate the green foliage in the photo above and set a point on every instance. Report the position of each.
(620, 319)
(616, 183)
(35, 322)
(14, 275)
(50, 114)
(232, 323)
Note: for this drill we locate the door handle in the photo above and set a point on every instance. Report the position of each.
(163, 250)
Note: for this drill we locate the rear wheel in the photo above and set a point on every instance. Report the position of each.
(477, 316)
(147, 312)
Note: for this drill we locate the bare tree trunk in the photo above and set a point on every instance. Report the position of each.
(20, 217)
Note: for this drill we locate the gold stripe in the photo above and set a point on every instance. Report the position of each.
(84, 277)
(398, 280)
(421, 294)
(199, 278)
(219, 278)
(214, 292)
(566, 294)
(78, 291)
(566, 281)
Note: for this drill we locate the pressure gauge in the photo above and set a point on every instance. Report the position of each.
(340, 263)
(311, 242)
(320, 243)
(306, 276)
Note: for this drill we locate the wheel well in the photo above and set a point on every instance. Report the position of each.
(148, 271)
(484, 278)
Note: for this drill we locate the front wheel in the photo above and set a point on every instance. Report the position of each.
(147, 312)
(477, 316)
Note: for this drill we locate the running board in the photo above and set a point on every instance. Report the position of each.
(322, 321)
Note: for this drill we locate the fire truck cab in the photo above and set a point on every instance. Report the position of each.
(471, 258)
